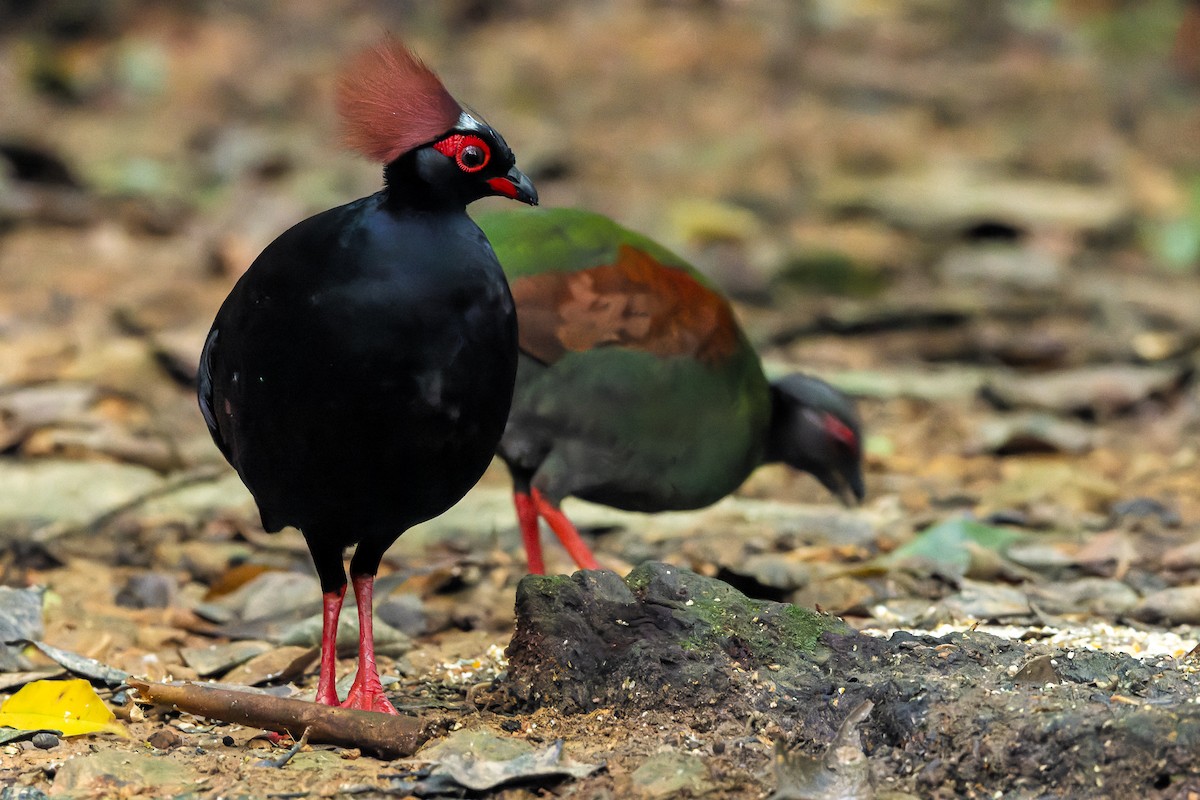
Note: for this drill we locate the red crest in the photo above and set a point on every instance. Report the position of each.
(390, 102)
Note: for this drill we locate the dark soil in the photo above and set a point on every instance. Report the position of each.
(967, 712)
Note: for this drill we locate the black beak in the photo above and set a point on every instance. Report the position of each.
(846, 484)
(516, 185)
(853, 488)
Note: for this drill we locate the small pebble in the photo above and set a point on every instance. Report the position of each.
(164, 739)
(22, 793)
(148, 590)
(404, 612)
(45, 740)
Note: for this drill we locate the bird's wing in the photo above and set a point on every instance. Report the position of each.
(204, 391)
(635, 302)
(530, 241)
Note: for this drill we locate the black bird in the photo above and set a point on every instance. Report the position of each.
(637, 389)
(359, 374)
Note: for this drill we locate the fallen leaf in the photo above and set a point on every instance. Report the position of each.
(71, 707)
(480, 761)
(13, 680)
(25, 408)
(138, 773)
(1102, 597)
(841, 773)
(1031, 433)
(836, 595)
(280, 664)
(235, 578)
(946, 548)
(216, 659)
(1038, 670)
(977, 600)
(671, 773)
(1176, 605)
(1064, 483)
(20, 620)
(1118, 548)
(13, 735)
(1100, 390)
(82, 665)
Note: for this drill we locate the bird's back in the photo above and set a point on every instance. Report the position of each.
(342, 375)
(636, 388)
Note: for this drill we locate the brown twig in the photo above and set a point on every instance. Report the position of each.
(282, 761)
(382, 735)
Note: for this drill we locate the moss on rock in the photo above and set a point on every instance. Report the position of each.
(662, 635)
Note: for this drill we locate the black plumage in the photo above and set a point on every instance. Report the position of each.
(359, 374)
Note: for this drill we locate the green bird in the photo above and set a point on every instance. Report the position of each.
(636, 387)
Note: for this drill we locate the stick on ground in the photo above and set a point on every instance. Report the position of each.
(382, 735)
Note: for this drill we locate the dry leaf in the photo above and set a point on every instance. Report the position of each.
(70, 707)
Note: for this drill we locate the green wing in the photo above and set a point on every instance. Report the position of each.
(640, 389)
(535, 240)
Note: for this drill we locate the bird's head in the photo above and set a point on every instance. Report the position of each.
(815, 428)
(395, 110)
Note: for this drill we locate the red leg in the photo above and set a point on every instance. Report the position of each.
(565, 532)
(528, 518)
(366, 693)
(326, 686)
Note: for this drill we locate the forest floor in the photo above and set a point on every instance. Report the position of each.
(984, 225)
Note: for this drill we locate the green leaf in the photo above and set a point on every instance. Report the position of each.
(1177, 243)
(946, 548)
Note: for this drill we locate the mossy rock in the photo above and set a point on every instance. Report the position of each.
(662, 636)
(947, 714)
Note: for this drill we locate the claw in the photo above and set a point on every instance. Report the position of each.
(368, 697)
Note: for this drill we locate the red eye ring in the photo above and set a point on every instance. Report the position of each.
(455, 146)
(841, 431)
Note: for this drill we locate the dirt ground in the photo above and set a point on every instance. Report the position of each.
(982, 220)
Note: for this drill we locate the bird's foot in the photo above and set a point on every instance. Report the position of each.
(367, 695)
(566, 532)
(327, 695)
(527, 517)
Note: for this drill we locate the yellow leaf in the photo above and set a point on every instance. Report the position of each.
(71, 707)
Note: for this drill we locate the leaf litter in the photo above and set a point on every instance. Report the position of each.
(1025, 279)
(480, 761)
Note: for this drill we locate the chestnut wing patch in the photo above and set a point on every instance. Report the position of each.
(635, 302)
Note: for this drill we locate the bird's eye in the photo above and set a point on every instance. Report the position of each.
(473, 154)
(470, 152)
(472, 157)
